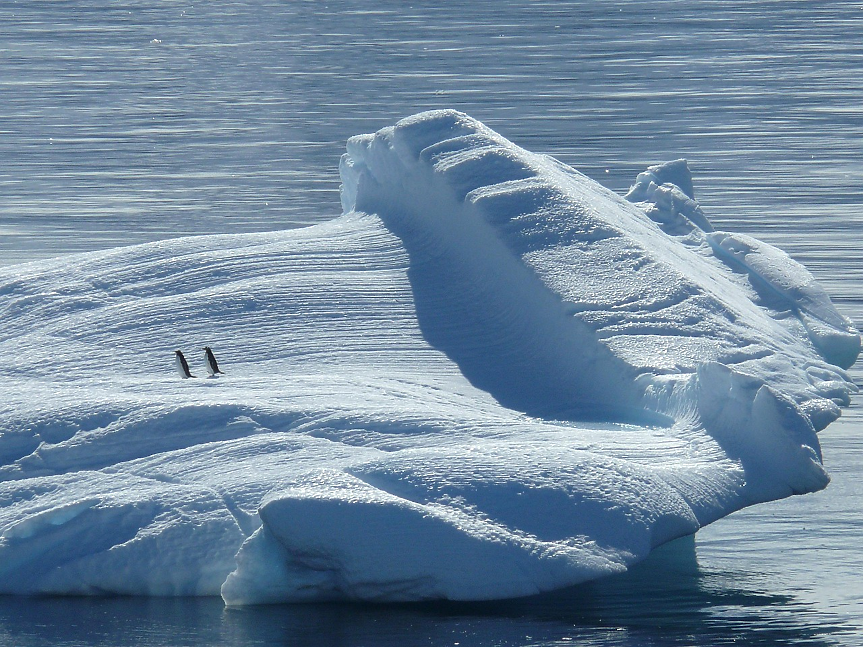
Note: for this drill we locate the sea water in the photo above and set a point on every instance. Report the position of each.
(131, 121)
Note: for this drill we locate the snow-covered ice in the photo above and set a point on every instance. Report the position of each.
(489, 377)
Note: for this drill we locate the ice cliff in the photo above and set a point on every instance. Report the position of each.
(489, 377)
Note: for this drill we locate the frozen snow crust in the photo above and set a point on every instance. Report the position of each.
(490, 377)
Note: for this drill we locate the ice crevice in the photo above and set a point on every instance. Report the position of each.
(489, 377)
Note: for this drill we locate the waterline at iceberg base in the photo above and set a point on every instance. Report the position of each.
(490, 377)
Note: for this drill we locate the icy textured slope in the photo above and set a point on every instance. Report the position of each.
(490, 377)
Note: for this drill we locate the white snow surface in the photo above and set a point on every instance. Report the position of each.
(490, 377)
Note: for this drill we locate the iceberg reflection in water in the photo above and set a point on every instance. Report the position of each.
(666, 600)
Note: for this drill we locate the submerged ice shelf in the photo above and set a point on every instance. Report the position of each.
(489, 377)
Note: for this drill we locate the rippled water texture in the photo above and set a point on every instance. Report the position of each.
(137, 121)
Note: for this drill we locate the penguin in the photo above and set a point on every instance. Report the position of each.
(210, 360)
(182, 366)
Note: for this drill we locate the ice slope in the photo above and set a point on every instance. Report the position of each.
(490, 377)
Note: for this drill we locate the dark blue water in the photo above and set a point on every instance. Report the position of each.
(138, 120)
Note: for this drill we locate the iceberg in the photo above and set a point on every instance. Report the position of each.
(489, 377)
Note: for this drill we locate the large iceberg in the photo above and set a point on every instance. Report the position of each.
(490, 377)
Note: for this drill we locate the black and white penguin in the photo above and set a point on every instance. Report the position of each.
(182, 366)
(210, 360)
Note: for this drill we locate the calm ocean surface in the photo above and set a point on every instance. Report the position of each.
(131, 121)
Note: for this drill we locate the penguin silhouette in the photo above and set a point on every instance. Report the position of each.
(210, 359)
(182, 365)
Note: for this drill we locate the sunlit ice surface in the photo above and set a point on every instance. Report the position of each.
(491, 377)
